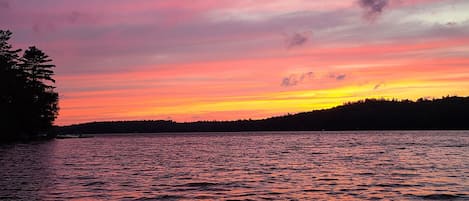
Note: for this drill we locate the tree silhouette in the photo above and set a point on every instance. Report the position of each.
(35, 64)
(11, 79)
(28, 103)
(38, 71)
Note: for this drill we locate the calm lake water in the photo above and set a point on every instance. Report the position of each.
(417, 165)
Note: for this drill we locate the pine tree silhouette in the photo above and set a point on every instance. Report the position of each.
(28, 102)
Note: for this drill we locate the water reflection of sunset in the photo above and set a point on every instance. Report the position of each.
(399, 165)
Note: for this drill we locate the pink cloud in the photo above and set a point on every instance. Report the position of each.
(119, 60)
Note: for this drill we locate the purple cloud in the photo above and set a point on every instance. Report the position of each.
(74, 17)
(297, 39)
(378, 86)
(373, 8)
(337, 77)
(295, 79)
(4, 4)
(340, 77)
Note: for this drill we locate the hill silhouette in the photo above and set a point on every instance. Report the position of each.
(447, 113)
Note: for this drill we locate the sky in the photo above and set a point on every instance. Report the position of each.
(191, 60)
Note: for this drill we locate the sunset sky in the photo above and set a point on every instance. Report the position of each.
(190, 60)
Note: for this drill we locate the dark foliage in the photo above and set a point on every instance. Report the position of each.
(28, 102)
(370, 114)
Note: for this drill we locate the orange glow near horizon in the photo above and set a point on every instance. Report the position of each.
(229, 60)
(255, 107)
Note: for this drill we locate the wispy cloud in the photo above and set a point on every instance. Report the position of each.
(373, 8)
(5, 4)
(378, 86)
(340, 77)
(74, 17)
(295, 79)
(337, 77)
(296, 39)
(116, 57)
(51, 22)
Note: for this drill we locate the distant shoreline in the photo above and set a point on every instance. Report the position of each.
(448, 113)
(272, 132)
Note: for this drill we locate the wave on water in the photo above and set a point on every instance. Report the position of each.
(304, 166)
(442, 196)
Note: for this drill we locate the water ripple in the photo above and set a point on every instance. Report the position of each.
(241, 166)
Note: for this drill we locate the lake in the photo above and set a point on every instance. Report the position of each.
(391, 165)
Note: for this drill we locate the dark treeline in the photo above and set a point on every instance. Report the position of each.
(370, 114)
(28, 102)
